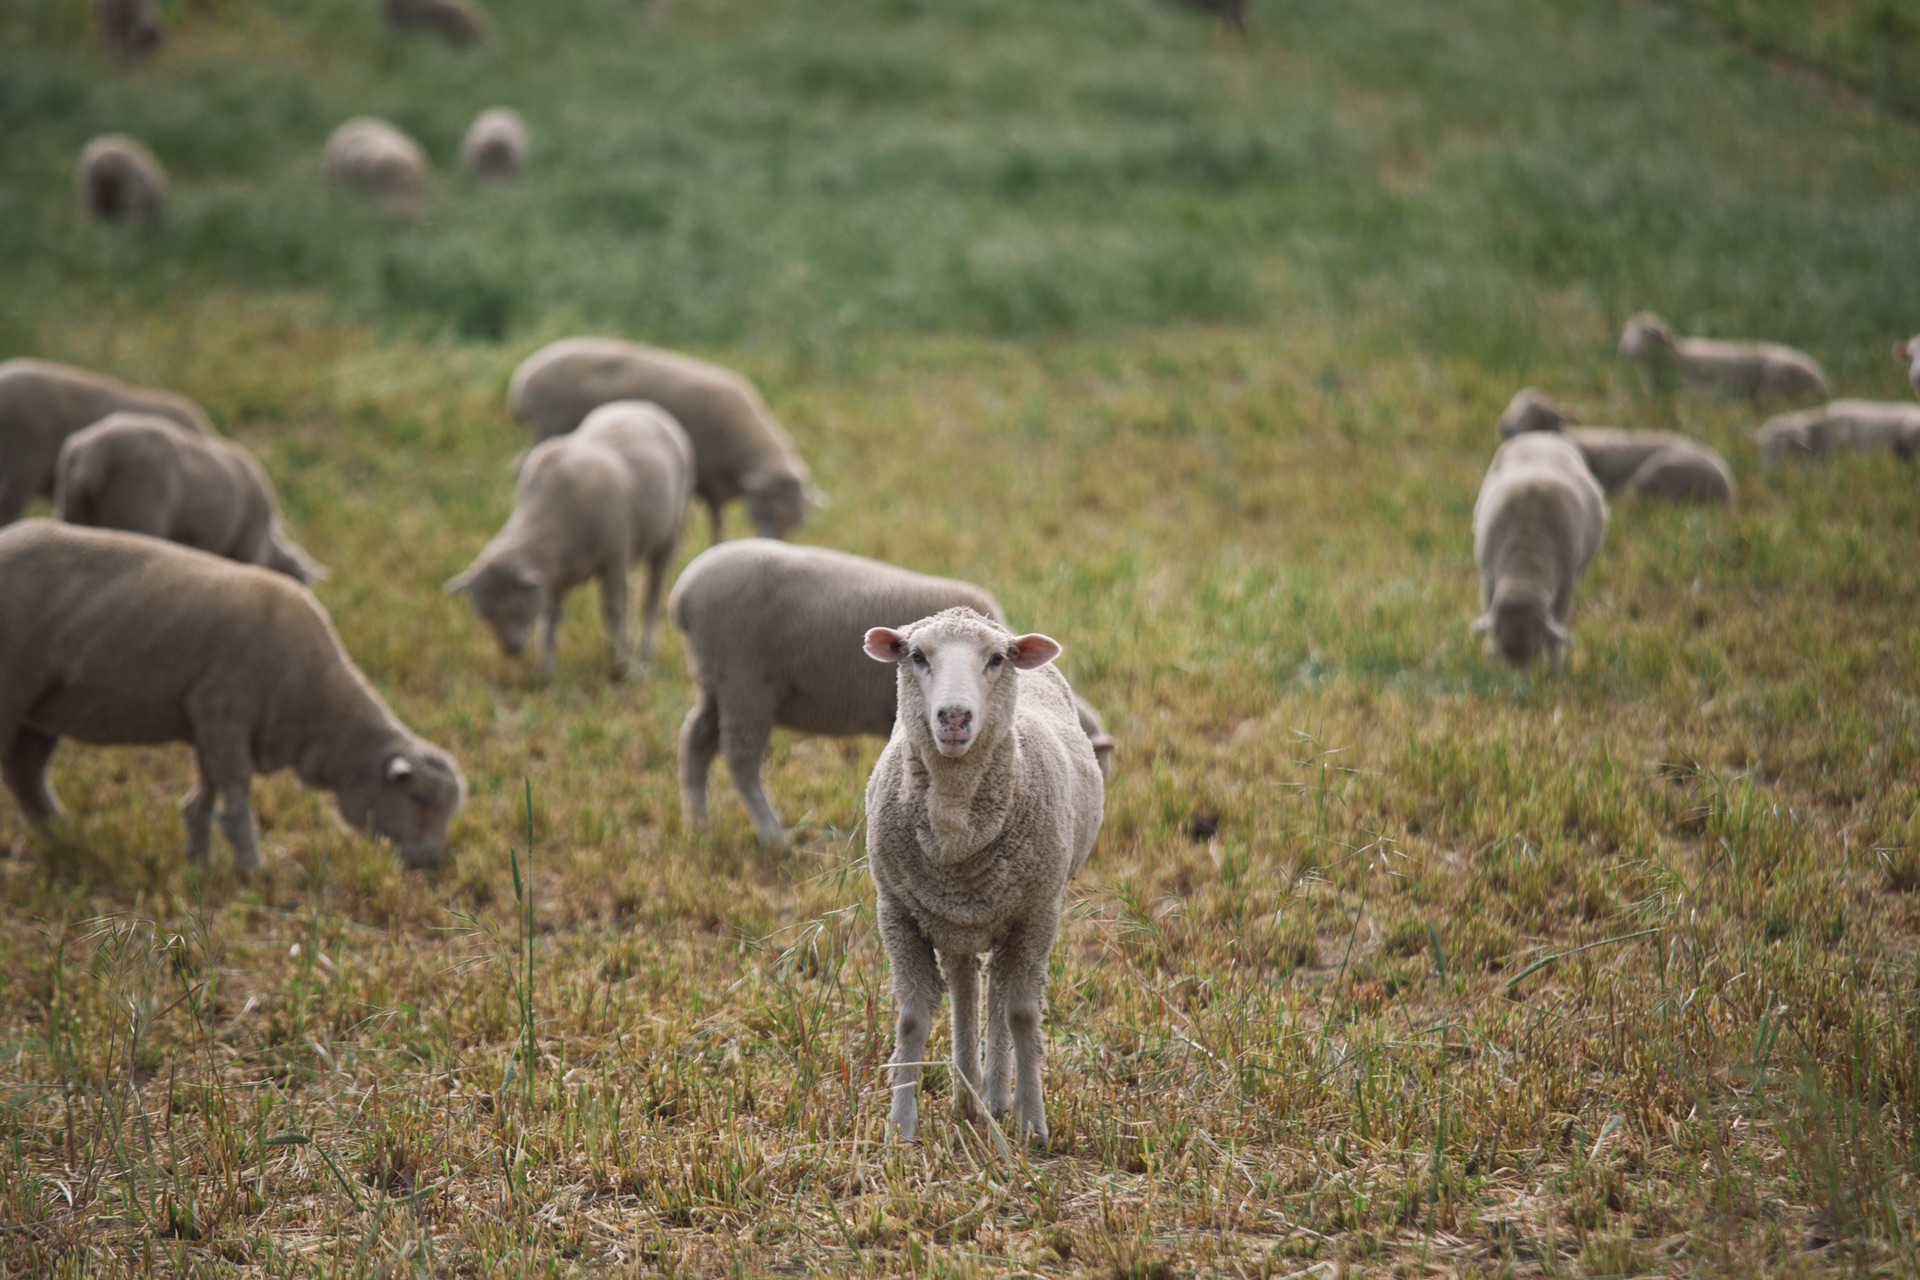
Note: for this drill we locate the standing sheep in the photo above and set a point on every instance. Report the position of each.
(116, 179)
(142, 473)
(42, 403)
(984, 804)
(496, 145)
(116, 639)
(1760, 371)
(377, 160)
(740, 449)
(1843, 426)
(458, 23)
(1656, 464)
(1908, 354)
(589, 504)
(130, 28)
(1536, 526)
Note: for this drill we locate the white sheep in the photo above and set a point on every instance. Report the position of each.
(1761, 371)
(117, 639)
(1843, 426)
(1657, 464)
(42, 403)
(496, 145)
(457, 22)
(116, 179)
(142, 473)
(377, 160)
(589, 504)
(1538, 521)
(741, 450)
(131, 28)
(984, 804)
(1908, 354)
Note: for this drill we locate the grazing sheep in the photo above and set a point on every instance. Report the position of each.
(1536, 526)
(1761, 371)
(1104, 743)
(142, 473)
(377, 160)
(130, 28)
(1908, 353)
(117, 179)
(741, 450)
(1657, 464)
(589, 504)
(117, 639)
(496, 145)
(985, 802)
(458, 23)
(42, 403)
(1843, 426)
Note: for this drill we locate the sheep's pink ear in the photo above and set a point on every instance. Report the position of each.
(884, 644)
(1902, 351)
(398, 769)
(1481, 625)
(458, 582)
(1558, 632)
(1035, 650)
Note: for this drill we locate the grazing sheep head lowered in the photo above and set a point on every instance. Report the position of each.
(408, 797)
(508, 598)
(1645, 337)
(778, 501)
(954, 683)
(1523, 628)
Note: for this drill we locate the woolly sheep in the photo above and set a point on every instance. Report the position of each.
(377, 160)
(458, 23)
(496, 145)
(42, 403)
(117, 639)
(1908, 353)
(1761, 371)
(1657, 464)
(130, 28)
(116, 179)
(984, 804)
(588, 504)
(143, 473)
(1536, 526)
(741, 450)
(1841, 426)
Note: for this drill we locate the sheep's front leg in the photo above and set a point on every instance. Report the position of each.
(24, 765)
(916, 995)
(197, 811)
(650, 624)
(963, 980)
(614, 610)
(1017, 993)
(554, 605)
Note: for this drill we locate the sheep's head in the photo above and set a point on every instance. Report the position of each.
(956, 674)
(408, 796)
(1521, 628)
(507, 597)
(777, 501)
(1533, 410)
(1645, 336)
(1908, 353)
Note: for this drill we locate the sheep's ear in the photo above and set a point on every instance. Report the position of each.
(1559, 633)
(1481, 625)
(1035, 650)
(398, 769)
(1902, 351)
(458, 582)
(884, 644)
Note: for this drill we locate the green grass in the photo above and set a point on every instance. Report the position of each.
(1191, 350)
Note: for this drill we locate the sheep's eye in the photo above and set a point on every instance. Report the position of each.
(919, 659)
(993, 663)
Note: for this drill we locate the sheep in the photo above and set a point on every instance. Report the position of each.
(985, 802)
(143, 473)
(1104, 743)
(377, 160)
(1657, 464)
(458, 23)
(496, 145)
(116, 179)
(588, 504)
(740, 448)
(1538, 521)
(1908, 354)
(1843, 425)
(131, 28)
(42, 403)
(1761, 371)
(117, 639)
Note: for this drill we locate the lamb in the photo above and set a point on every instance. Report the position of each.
(496, 145)
(147, 474)
(984, 804)
(117, 639)
(588, 504)
(1538, 521)
(1761, 371)
(1843, 425)
(1657, 464)
(740, 448)
(1908, 353)
(42, 403)
(116, 179)
(131, 28)
(377, 160)
(458, 23)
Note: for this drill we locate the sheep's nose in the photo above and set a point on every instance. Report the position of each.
(954, 719)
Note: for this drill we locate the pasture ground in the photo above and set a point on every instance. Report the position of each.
(1387, 961)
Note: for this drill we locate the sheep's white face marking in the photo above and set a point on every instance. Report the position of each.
(957, 670)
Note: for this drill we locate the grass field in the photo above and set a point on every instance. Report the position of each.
(1387, 960)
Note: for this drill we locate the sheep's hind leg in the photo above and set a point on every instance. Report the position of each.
(650, 607)
(916, 994)
(699, 742)
(743, 740)
(614, 610)
(25, 768)
(963, 980)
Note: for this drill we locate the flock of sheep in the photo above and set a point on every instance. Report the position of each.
(166, 602)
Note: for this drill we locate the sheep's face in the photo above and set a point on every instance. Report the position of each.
(509, 599)
(956, 674)
(1645, 337)
(1908, 353)
(777, 502)
(1522, 631)
(1532, 411)
(408, 797)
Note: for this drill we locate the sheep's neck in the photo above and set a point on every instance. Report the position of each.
(955, 827)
